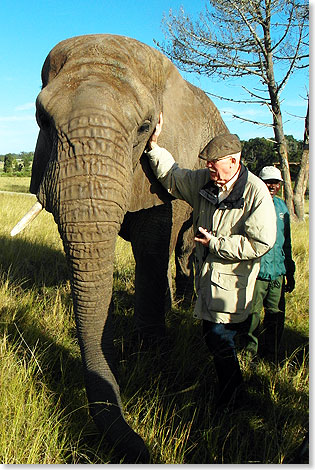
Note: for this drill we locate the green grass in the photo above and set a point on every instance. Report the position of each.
(20, 184)
(167, 394)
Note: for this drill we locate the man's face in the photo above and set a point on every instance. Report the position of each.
(221, 171)
(273, 186)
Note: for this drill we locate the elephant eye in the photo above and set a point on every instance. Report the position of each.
(145, 127)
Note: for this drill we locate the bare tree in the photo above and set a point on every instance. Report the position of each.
(266, 40)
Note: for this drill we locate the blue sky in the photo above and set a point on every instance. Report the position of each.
(31, 28)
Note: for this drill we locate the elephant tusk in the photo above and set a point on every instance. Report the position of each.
(28, 217)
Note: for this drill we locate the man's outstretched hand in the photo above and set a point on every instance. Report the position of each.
(157, 131)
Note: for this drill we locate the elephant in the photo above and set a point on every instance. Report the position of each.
(99, 104)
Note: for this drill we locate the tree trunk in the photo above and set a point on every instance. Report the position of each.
(283, 155)
(278, 124)
(283, 152)
(302, 178)
(301, 185)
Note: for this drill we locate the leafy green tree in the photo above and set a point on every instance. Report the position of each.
(18, 166)
(295, 151)
(8, 163)
(259, 152)
(27, 158)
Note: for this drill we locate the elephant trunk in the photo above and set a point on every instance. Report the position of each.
(87, 194)
(91, 280)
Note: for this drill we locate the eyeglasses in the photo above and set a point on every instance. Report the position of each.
(216, 160)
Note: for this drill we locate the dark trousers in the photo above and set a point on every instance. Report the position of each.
(220, 339)
(268, 295)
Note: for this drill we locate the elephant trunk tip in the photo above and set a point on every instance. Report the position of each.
(134, 451)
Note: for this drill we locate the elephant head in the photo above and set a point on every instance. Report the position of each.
(100, 101)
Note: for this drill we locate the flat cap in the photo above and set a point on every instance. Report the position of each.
(221, 146)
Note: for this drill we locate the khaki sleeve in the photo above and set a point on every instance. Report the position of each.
(180, 183)
(260, 230)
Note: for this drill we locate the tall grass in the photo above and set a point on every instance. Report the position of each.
(20, 184)
(168, 393)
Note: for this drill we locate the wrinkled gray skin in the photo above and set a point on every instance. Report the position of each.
(100, 102)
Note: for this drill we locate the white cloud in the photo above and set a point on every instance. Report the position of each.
(296, 103)
(17, 118)
(25, 107)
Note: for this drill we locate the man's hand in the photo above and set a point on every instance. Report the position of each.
(290, 284)
(204, 238)
(154, 137)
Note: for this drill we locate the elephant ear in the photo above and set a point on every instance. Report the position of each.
(191, 120)
(41, 158)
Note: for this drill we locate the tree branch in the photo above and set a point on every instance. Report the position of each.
(264, 124)
(222, 98)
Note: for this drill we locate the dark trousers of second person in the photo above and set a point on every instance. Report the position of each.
(220, 339)
(268, 295)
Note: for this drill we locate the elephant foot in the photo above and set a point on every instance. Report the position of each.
(185, 293)
(132, 450)
(151, 342)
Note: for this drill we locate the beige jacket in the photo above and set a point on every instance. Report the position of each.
(244, 228)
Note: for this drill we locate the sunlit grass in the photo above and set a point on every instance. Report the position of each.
(31, 429)
(168, 395)
(298, 302)
(19, 184)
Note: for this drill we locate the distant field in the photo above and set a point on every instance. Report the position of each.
(18, 184)
(21, 184)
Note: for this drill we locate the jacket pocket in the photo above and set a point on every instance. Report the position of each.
(227, 292)
(228, 281)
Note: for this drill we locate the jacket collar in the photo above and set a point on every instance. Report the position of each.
(234, 200)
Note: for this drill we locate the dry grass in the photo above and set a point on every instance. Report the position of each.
(18, 184)
(167, 393)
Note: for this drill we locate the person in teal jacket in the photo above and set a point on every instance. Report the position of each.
(275, 277)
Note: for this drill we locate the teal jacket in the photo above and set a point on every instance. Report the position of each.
(278, 261)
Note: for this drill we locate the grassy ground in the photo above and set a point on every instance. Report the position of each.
(167, 394)
(18, 184)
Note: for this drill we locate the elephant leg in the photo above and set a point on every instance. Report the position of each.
(182, 241)
(184, 253)
(150, 233)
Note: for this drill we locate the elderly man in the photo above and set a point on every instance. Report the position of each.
(236, 222)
